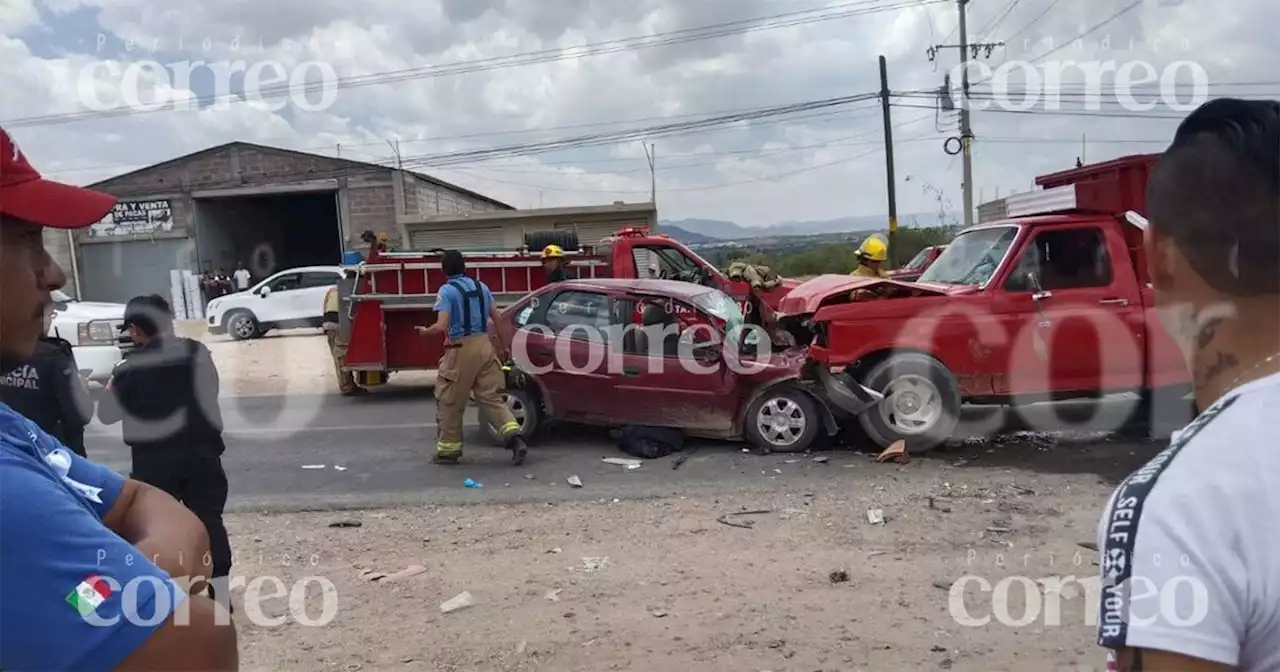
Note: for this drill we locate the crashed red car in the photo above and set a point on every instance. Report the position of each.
(580, 356)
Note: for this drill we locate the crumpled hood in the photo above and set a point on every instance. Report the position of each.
(810, 296)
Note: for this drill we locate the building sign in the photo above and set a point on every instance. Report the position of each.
(131, 218)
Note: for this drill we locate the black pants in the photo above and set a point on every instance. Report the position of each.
(199, 483)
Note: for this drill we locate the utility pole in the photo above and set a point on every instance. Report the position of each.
(967, 53)
(650, 154)
(888, 164)
(1084, 148)
(966, 131)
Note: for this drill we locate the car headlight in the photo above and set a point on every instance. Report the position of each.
(96, 331)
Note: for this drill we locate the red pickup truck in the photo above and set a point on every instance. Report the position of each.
(1051, 302)
(913, 269)
(395, 291)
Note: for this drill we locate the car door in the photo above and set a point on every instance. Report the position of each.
(1073, 313)
(280, 302)
(310, 298)
(655, 385)
(563, 344)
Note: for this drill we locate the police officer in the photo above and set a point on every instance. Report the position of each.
(166, 393)
(470, 366)
(338, 341)
(553, 262)
(48, 389)
(871, 256)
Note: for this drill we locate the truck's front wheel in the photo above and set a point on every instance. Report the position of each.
(921, 402)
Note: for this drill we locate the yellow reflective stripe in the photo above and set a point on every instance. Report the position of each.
(511, 427)
(448, 445)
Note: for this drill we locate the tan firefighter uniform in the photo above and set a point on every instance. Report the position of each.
(470, 367)
(337, 344)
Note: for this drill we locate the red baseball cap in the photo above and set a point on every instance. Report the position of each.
(25, 195)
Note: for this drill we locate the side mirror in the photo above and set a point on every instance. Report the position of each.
(265, 291)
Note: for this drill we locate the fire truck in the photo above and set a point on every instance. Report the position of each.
(394, 292)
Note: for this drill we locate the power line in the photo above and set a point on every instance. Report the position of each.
(781, 20)
(1032, 22)
(1060, 113)
(995, 23)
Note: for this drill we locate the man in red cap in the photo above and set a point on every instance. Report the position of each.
(124, 554)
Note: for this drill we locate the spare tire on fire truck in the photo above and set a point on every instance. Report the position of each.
(566, 240)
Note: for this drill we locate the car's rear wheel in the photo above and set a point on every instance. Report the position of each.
(782, 420)
(241, 325)
(921, 402)
(527, 411)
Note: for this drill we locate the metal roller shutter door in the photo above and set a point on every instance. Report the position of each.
(458, 239)
(117, 272)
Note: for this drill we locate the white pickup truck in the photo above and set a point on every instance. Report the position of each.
(93, 330)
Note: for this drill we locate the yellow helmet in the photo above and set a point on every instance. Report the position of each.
(874, 248)
(552, 252)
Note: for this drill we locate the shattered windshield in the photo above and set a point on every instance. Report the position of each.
(972, 258)
(721, 306)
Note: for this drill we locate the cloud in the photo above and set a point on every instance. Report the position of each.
(811, 165)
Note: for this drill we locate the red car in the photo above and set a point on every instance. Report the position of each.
(912, 270)
(580, 357)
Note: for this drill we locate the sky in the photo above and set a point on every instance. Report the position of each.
(474, 75)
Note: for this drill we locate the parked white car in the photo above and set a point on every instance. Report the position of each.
(287, 300)
(93, 330)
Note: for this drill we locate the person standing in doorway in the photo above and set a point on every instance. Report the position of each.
(464, 307)
(1188, 555)
(242, 277)
(338, 341)
(166, 394)
(48, 389)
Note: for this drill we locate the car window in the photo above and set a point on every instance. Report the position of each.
(584, 315)
(522, 317)
(319, 279)
(286, 282)
(917, 262)
(1063, 259)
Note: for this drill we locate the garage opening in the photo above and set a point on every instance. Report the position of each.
(268, 233)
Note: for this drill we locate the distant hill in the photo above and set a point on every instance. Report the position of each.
(726, 230)
(685, 236)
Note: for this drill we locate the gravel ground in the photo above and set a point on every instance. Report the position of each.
(661, 585)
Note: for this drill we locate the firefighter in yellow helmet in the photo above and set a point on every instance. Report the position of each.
(872, 254)
(553, 262)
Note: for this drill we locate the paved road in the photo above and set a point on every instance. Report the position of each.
(383, 443)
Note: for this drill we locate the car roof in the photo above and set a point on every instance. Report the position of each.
(309, 269)
(673, 288)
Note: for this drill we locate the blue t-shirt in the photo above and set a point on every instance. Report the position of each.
(450, 299)
(73, 594)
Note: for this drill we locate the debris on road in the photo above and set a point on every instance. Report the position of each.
(896, 453)
(370, 575)
(839, 576)
(875, 516)
(591, 565)
(658, 613)
(472, 484)
(822, 459)
(313, 466)
(411, 570)
(554, 551)
(574, 481)
(622, 462)
(684, 457)
(346, 523)
(461, 601)
(339, 467)
(1088, 544)
(934, 506)
(746, 524)
(942, 585)
(553, 595)
(529, 477)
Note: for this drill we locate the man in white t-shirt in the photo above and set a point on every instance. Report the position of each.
(1190, 548)
(242, 277)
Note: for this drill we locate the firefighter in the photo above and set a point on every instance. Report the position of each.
(871, 256)
(166, 394)
(553, 262)
(47, 388)
(338, 341)
(470, 365)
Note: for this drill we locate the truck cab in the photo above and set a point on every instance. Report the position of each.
(1050, 301)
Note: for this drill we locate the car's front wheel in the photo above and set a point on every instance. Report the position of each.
(783, 420)
(242, 326)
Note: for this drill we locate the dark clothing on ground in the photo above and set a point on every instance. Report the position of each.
(166, 394)
(49, 392)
